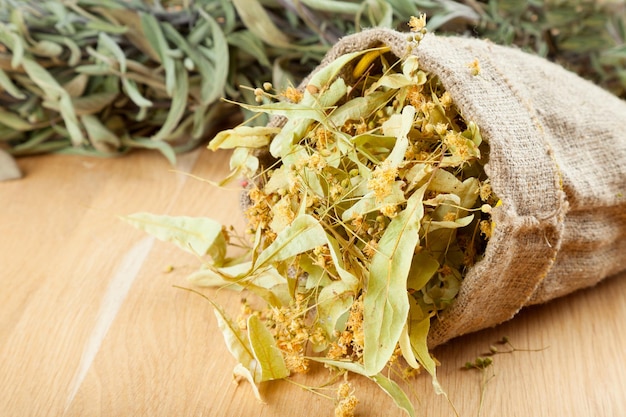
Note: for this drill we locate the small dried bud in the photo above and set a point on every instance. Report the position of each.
(312, 89)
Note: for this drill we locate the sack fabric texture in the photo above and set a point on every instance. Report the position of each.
(557, 161)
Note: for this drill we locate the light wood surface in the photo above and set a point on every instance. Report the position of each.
(91, 325)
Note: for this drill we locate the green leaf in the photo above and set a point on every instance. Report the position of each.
(246, 42)
(386, 304)
(42, 78)
(333, 302)
(361, 107)
(100, 137)
(398, 152)
(396, 393)
(14, 42)
(448, 224)
(71, 121)
(423, 267)
(143, 143)
(154, 34)
(14, 121)
(106, 42)
(220, 58)
(305, 233)
(93, 103)
(130, 87)
(334, 6)
(178, 104)
(237, 343)
(265, 351)
(418, 334)
(101, 26)
(243, 136)
(75, 51)
(209, 86)
(9, 87)
(302, 115)
(198, 235)
(324, 76)
(256, 19)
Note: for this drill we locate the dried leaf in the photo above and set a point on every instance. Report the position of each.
(178, 105)
(7, 84)
(241, 371)
(456, 224)
(244, 137)
(238, 344)
(198, 235)
(265, 351)
(333, 302)
(245, 42)
(130, 88)
(13, 121)
(220, 57)
(386, 301)
(76, 86)
(258, 22)
(101, 137)
(418, 334)
(93, 103)
(154, 34)
(423, 267)
(305, 233)
(360, 107)
(107, 43)
(143, 143)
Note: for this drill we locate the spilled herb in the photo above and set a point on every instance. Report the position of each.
(361, 229)
(485, 364)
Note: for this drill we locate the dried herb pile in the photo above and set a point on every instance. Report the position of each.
(359, 233)
(103, 77)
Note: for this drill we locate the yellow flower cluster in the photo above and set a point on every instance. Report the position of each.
(346, 401)
(291, 333)
(350, 342)
(382, 179)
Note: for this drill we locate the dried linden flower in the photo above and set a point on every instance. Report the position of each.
(375, 195)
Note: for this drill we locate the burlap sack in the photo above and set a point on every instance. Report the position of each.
(557, 162)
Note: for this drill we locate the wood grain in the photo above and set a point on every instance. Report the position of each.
(91, 324)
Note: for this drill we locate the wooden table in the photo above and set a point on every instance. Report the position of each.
(91, 325)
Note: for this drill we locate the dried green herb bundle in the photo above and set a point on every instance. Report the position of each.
(103, 77)
(361, 231)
